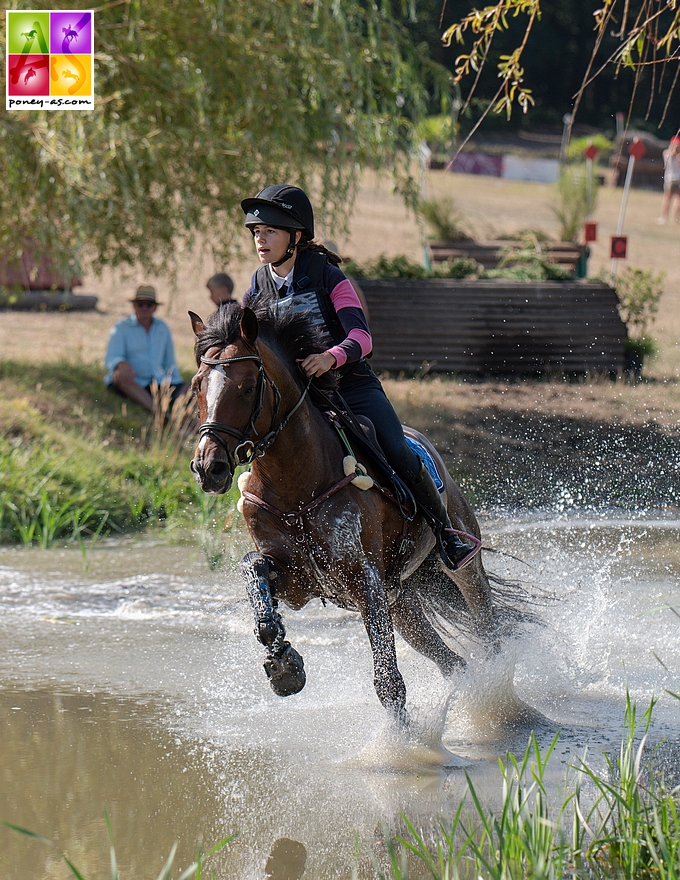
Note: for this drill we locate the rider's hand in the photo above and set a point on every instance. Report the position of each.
(318, 364)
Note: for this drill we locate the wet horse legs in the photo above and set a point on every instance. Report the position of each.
(284, 666)
(418, 632)
(375, 611)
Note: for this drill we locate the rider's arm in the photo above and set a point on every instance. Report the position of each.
(358, 342)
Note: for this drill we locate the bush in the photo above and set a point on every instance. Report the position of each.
(402, 267)
(639, 292)
(444, 219)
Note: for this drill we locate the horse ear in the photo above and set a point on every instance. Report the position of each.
(249, 328)
(196, 323)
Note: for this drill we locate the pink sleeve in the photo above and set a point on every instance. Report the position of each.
(344, 296)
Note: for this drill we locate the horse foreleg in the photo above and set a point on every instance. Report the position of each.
(283, 665)
(387, 680)
(418, 632)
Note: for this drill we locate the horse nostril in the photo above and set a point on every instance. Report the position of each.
(218, 468)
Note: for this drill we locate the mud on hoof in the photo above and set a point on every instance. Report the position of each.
(286, 673)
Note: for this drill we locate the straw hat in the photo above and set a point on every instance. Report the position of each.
(145, 293)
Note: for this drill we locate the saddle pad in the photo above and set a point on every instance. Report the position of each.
(424, 455)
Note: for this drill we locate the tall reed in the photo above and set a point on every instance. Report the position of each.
(630, 830)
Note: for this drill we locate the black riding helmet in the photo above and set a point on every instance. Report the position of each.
(284, 207)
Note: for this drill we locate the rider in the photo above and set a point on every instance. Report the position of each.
(299, 273)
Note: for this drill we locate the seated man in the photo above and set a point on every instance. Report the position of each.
(140, 350)
(221, 288)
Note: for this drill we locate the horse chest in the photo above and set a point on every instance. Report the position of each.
(320, 559)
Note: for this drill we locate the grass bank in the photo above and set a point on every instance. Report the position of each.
(77, 462)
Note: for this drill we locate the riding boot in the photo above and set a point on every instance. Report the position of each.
(453, 550)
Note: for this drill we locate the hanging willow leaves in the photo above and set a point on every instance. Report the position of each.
(202, 102)
(638, 35)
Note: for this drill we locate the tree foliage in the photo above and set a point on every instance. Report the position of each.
(202, 102)
(635, 42)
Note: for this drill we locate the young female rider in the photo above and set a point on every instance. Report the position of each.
(298, 273)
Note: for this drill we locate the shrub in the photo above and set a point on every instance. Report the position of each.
(444, 219)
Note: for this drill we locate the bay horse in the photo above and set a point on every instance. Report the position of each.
(316, 533)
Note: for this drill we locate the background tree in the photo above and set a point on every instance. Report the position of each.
(586, 57)
(201, 102)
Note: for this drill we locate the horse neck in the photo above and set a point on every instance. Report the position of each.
(302, 454)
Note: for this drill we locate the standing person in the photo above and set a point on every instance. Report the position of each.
(301, 274)
(221, 288)
(671, 180)
(140, 350)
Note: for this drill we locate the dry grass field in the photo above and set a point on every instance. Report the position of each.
(380, 224)
(508, 427)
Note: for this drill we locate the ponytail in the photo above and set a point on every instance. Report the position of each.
(306, 244)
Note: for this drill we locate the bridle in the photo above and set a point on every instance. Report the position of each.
(247, 449)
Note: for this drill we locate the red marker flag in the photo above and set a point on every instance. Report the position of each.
(619, 247)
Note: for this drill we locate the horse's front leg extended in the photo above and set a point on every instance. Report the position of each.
(375, 611)
(284, 667)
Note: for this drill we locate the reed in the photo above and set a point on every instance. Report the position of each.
(630, 830)
(195, 870)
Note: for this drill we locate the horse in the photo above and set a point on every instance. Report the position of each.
(319, 531)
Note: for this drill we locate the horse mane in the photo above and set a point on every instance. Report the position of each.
(292, 335)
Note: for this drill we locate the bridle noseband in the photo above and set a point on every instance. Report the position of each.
(247, 449)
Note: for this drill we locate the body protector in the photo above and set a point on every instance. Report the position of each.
(309, 294)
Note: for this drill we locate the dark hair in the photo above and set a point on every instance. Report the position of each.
(306, 245)
(221, 279)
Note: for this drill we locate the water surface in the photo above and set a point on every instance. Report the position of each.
(136, 686)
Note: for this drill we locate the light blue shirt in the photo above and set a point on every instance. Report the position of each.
(151, 355)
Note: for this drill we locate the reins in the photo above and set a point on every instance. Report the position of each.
(247, 449)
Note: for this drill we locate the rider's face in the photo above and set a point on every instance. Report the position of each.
(271, 243)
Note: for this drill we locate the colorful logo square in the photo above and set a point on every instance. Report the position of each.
(71, 32)
(50, 59)
(28, 75)
(70, 75)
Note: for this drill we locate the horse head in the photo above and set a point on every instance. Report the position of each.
(230, 387)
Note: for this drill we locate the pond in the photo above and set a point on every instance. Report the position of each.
(131, 682)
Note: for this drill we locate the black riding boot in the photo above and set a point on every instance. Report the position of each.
(452, 549)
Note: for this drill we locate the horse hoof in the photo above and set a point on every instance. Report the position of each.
(286, 673)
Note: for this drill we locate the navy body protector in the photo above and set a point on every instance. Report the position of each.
(309, 295)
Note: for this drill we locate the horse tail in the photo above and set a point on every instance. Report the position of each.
(442, 599)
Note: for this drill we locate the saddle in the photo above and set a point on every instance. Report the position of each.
(362, 431)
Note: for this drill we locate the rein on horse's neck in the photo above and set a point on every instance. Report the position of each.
(302, 454)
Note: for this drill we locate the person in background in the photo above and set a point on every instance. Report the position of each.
(140, 349)
(671, 180)
(221, 288)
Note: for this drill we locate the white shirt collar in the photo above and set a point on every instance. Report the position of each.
(279, 281)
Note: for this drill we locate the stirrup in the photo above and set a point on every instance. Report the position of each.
(466, 538)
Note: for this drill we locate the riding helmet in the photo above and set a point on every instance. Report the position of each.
(282, 206)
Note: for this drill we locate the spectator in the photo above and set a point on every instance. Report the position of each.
(671, 180)
(221, 288)
(140, 350)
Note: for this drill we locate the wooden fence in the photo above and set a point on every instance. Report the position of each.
(489, 253)
(494, 327)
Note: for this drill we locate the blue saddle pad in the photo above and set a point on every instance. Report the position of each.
(426, 458)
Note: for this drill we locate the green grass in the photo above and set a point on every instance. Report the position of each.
(621, 823)
(193, 872)
(77, 462)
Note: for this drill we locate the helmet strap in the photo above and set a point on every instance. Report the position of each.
(291, 250)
